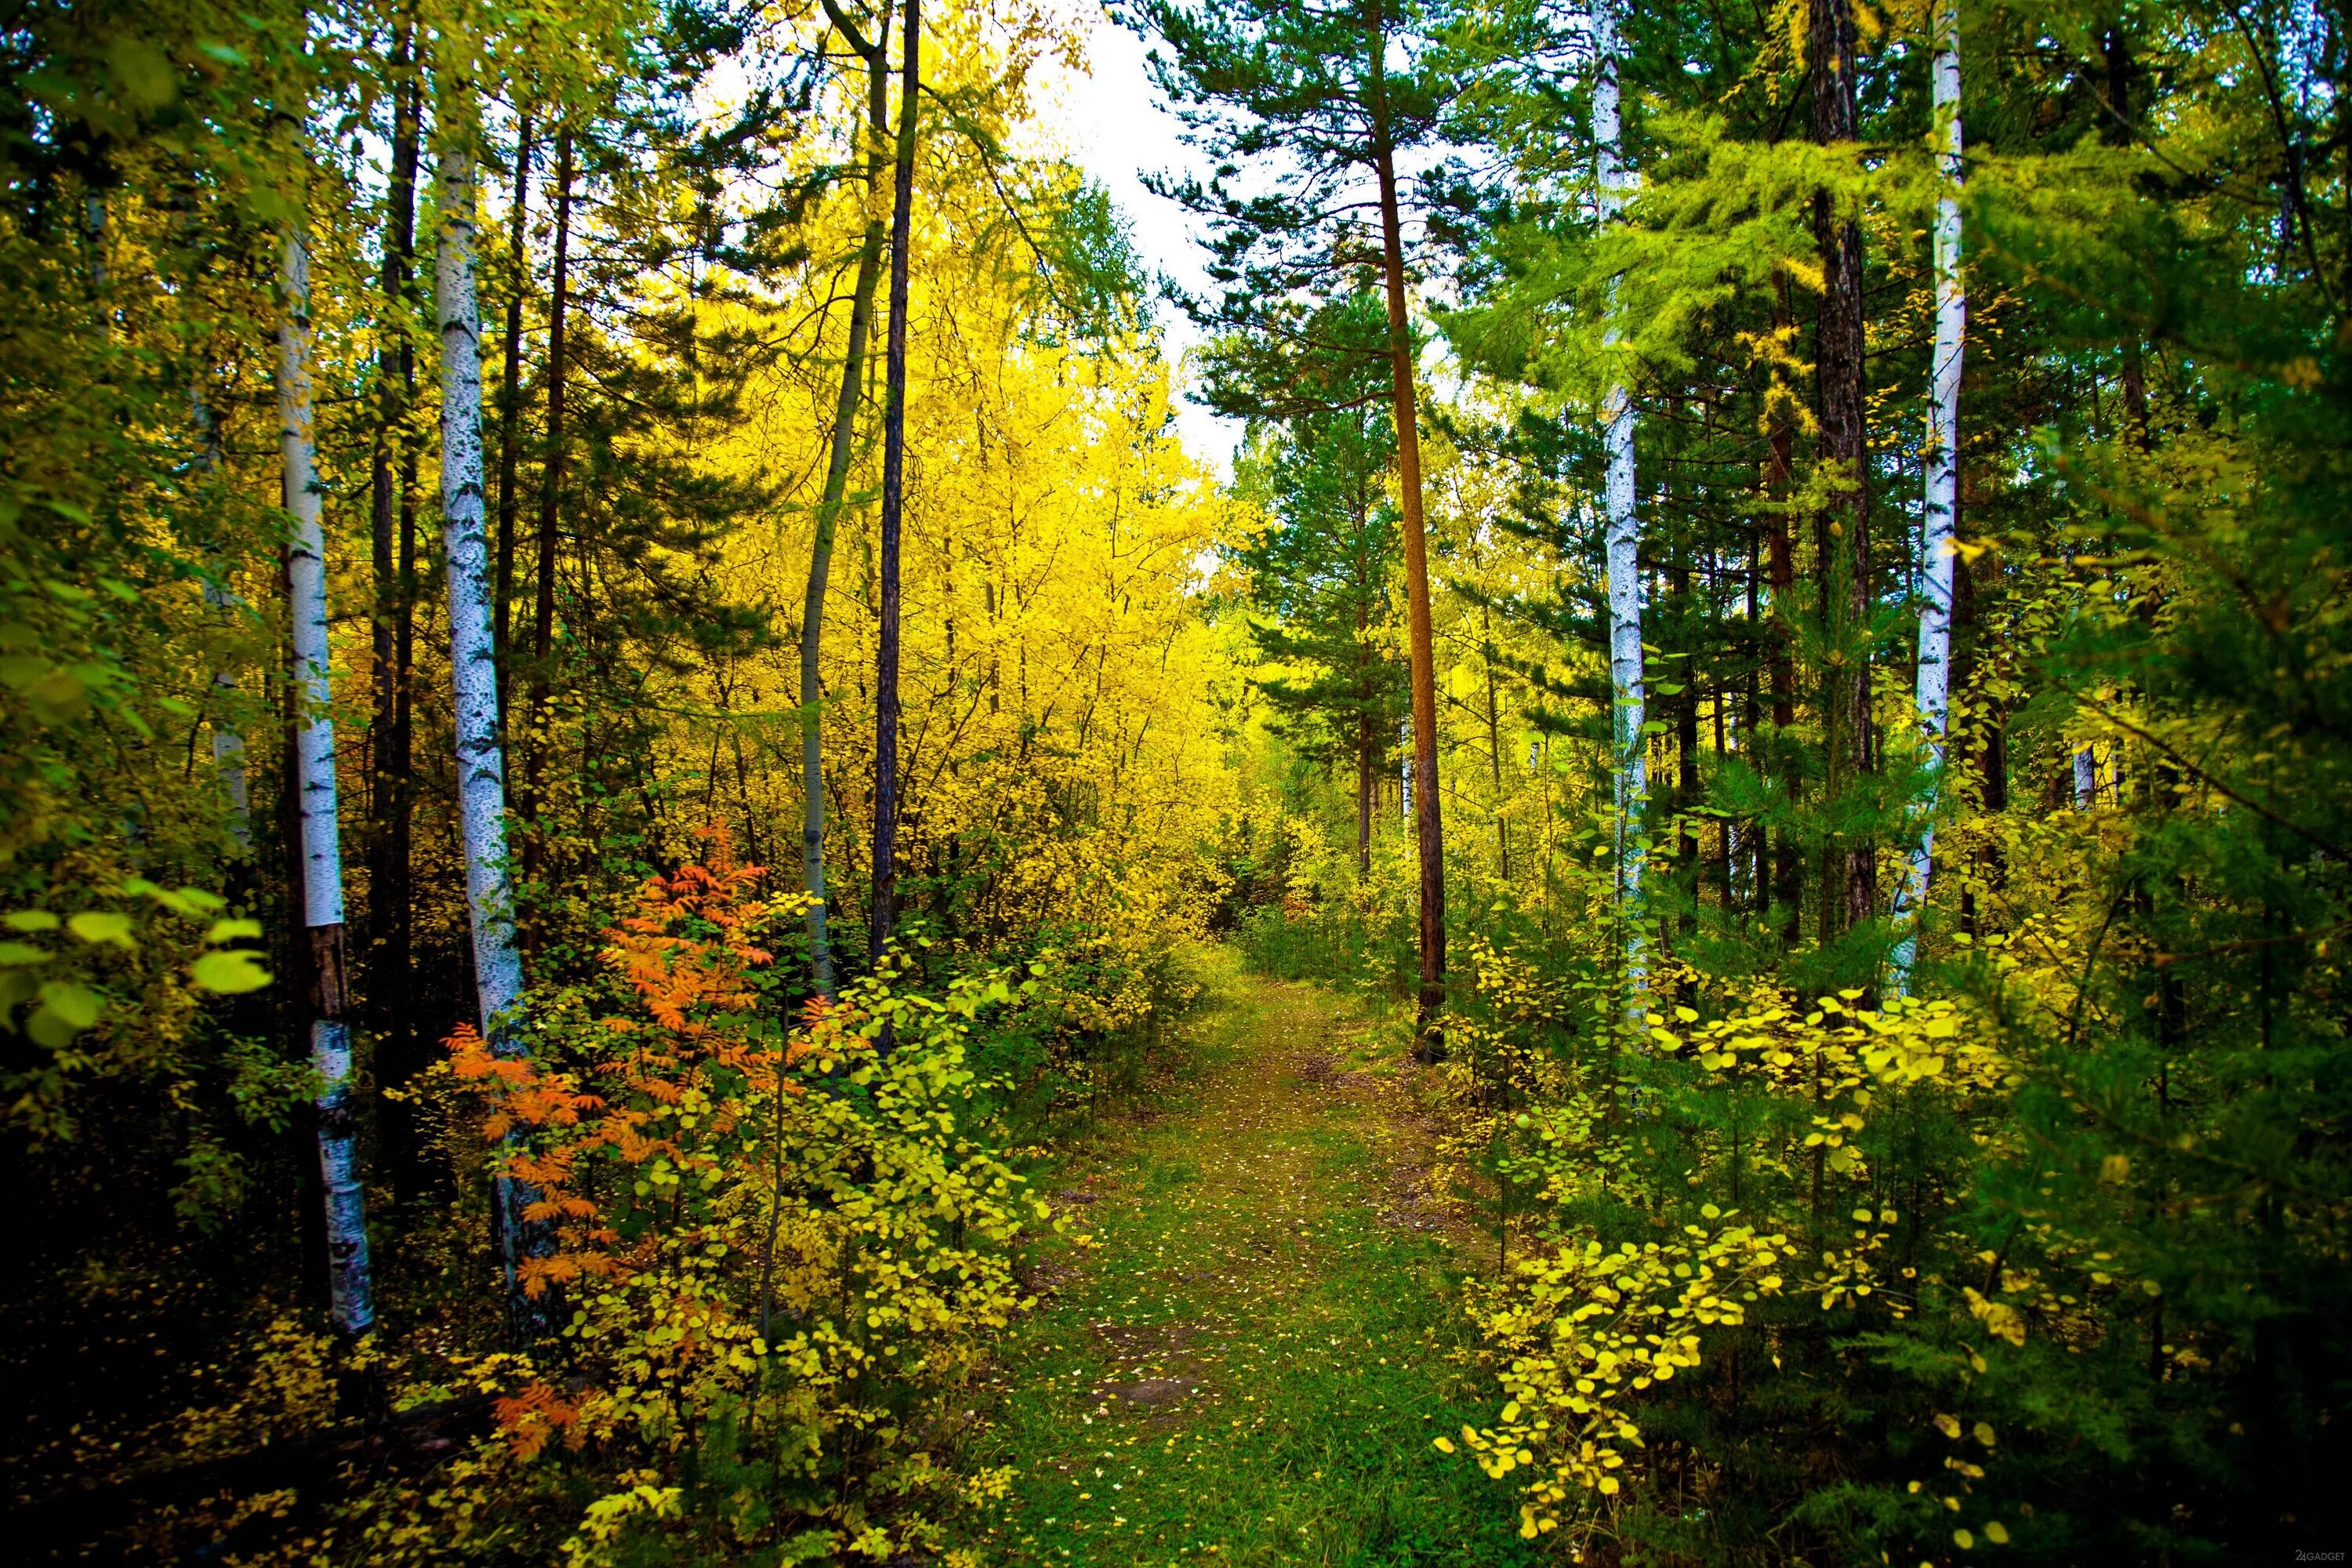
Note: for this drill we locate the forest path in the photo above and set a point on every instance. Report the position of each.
(1249, 1366)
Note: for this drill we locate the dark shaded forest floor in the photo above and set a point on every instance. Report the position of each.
(1249, 1364)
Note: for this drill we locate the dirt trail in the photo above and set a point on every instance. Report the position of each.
(1249, 1364)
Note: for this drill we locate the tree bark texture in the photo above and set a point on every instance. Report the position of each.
(351, 1293)
(893, 468)
(391, 534)
(1621, 539)
(1421, 639)
(473, 671)
(1933, 692)
(551, 501)
(836, 486)
(1844, 523)
(510, 401)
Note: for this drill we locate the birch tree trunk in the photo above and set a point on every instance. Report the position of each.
(1943, 454)
(1623, 537)
(893, 466)
(351, 1293)
(473, 667)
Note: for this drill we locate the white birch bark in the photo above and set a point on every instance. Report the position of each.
(2086, 779)
(481, 762)
(473, 667)
(1404, 774)
(1624, 536)
(1933, 693)
(349, 1288)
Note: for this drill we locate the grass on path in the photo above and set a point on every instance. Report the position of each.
(1248, 1366)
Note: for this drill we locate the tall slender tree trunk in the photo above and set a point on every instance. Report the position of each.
(1933, 693)
(229, 744)
(1686, 734)
(473, 667)
(1364, 777)
(836, 486)
(390, 524)
(893, 468)
(1622, 538)
(1495, 746)
(550, 498)
(1366, 768)
(511, 402)
(1789, 864)
(350, 1292)
(1429, 829)
(1842, 524)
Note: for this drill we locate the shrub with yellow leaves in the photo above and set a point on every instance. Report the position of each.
(766, 1246)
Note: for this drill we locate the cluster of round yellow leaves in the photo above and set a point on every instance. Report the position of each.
(1580, 1331)
(1837, 1047)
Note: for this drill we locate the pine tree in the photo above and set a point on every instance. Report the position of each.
(1258, 82)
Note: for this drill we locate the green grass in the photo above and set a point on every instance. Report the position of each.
(1248, 1366)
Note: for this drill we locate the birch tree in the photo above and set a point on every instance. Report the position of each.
(1623, 531)
(1942, 455)
(473, 662)
(351, 1299)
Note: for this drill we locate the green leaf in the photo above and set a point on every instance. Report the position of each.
(79, 1005)
(194, 902)
(97, 926)
(50, 1029)
(142, 72)
(229, 972)
(19, 670)
(32, 919)
(19, 953)
(58, 699)
(268, 207)
(230, 930)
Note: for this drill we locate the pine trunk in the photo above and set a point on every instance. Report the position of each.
(550, 500)
(510, 402)
(894, 466)
(1843, 538)
(1421, 638)
(390, 894)
(1788, 863)
(828, 512)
